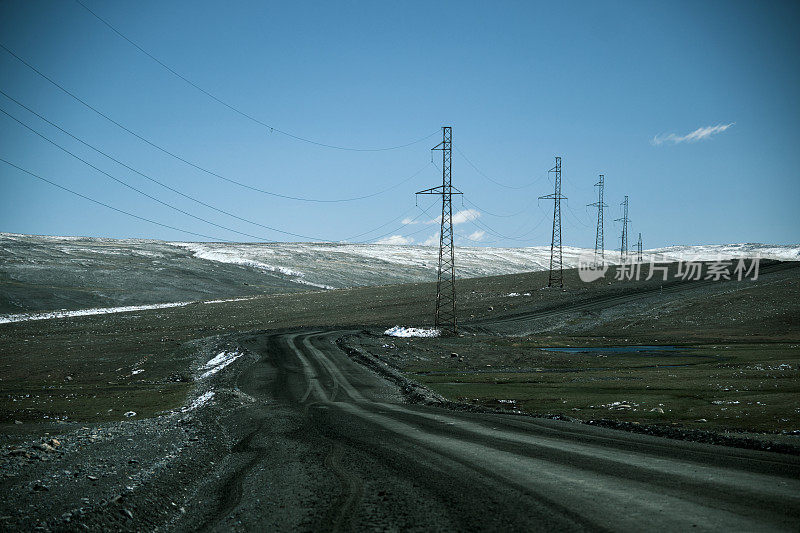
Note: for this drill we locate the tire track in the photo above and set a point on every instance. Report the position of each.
(591, 482)
(339, 515)
(231, 490)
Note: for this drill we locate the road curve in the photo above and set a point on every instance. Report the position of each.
(418, 467)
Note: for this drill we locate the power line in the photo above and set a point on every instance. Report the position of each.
(125, 184)
(470, 163)
(235, 109)
(423, 211)
(486, 211)
(176, 191)
(522, 236)
(482, 225)
(168, 187)
(190, 163)
(401, 215)
(151, 197)
(575, 216)
(482, 210)
(467, 237)
(110, 206)
(85, 197)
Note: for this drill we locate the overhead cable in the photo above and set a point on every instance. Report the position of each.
(192, 164)
(271, 128)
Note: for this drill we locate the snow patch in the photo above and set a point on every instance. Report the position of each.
(235, 255)
(400, 331)
(200, 401)
(246, 298)
(24, 317)
(219, 362)
(617, 406)
(49, 315)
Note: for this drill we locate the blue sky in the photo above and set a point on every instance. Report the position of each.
(690, 108)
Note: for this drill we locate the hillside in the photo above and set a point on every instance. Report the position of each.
(41, 273)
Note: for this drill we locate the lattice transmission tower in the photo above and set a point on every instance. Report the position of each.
(599, 247)
(446, 274)
(639, 248)
(623, 245)
(556, 258)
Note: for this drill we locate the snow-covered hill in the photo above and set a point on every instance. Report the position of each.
(39, 273)
(789, 252)
(345, 265)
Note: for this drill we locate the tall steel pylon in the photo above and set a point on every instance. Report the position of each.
(556, 258)
(623, 245)
(639, 248)
(599, 247)
(446, 274)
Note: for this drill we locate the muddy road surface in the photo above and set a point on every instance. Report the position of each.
(300, 434)
(379, 462)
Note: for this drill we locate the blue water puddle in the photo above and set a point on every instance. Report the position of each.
(646, 351)
(597, 351)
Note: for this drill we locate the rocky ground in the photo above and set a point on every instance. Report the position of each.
(72, 458)
(84, 477)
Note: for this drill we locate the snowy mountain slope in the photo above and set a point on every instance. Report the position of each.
(54, 273)
(346, 265)
(39, 273)
(728, 251)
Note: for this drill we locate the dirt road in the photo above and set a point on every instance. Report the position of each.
(298, 435)
(422, 467)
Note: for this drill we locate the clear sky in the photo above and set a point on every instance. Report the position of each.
(690, 108)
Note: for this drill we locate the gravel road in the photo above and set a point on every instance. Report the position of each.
(296, 433)
(301, 436)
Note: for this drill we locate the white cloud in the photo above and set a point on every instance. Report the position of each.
(476, 236)
(395, 239)
(465, 215)
(697, 135)
(459, 217)
(409, 221)
(432, 240)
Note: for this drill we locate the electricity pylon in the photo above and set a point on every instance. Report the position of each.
(446, 274)
(556, 259)
(599, 246)
(623, 245)
(639, 249)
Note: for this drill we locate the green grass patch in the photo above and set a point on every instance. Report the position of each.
(753, 387)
